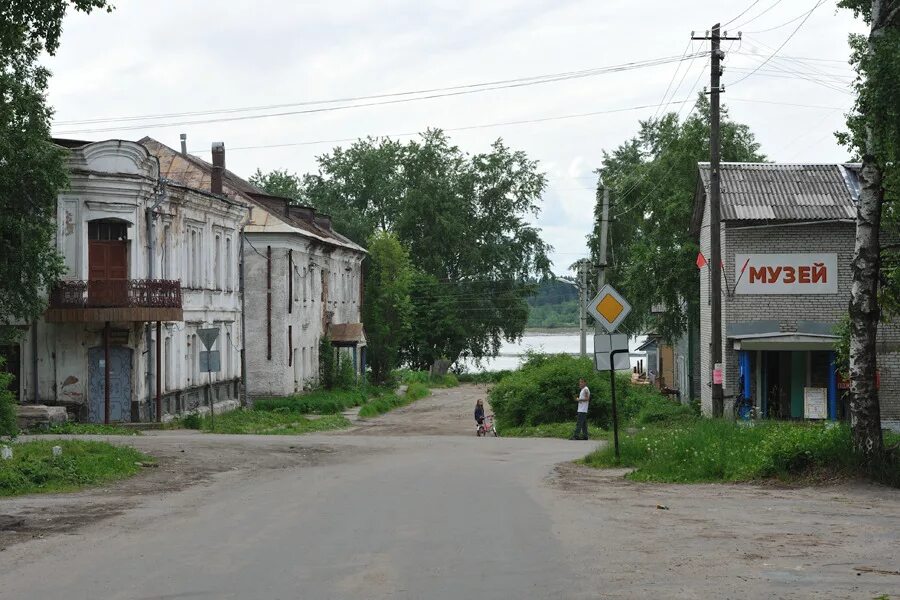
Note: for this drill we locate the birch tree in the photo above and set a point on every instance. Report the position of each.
(874, 132)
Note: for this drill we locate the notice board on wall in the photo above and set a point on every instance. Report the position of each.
(815, 403)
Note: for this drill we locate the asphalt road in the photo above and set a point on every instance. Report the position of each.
(412, 516)
(413, 506)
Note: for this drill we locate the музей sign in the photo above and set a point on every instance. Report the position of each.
(786, 273)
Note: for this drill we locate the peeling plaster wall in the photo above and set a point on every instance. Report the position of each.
(210, 298)
(294, 362)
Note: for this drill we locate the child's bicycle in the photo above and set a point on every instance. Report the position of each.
(487, 427)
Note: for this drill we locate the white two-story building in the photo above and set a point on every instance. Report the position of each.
(149, 263)
(303, 280)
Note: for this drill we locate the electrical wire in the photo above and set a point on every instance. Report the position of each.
(783, 44)
(747, 22)
(647, 172)
(785, 24)
(402, 100)
(463, 128)
(741, 14)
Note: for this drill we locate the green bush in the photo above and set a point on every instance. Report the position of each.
(483, 376)
(409, 376)
(8, 425)
(544, 389)
(416, 391)
(192, 421)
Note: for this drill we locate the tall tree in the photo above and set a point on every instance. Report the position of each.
(387, 310)
(652, 179)
(32, 169)
(874, 132)
(279, 182)
(465, 221)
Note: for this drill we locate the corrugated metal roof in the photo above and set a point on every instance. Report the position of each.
(786, 192)
(194, 172)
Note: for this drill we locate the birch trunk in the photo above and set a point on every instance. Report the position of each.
(865, 411)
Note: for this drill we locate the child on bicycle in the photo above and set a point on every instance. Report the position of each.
(479, 412)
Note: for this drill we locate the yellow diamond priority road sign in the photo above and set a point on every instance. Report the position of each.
(609, 308)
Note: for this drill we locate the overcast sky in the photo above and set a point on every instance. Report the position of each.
(170, 56)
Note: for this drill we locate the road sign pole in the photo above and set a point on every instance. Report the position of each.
(612, 387)
(212, 408)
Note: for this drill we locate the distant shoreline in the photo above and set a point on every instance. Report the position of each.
(553, 330)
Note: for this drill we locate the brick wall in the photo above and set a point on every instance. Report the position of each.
(788, 309)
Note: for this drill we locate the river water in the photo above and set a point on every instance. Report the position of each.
(564, 341)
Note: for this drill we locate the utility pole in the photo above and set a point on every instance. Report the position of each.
(604, 228)
(715, 201)
(582, 304)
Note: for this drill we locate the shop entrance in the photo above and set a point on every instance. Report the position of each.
(792, 384)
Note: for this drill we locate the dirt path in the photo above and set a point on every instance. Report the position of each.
(444, 412)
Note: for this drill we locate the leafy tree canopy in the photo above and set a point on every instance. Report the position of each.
(464, 220)
(387, 310)
(279, 182)
(877, 109)
(32, 171)
(652, 179)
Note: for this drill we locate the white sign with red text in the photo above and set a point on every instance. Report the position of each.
(786, 273)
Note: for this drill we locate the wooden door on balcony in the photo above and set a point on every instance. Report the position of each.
(107, 273)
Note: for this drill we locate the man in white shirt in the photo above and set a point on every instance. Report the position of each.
(583, 399)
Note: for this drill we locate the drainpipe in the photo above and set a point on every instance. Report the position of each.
(161, 196)
(34, 360)
(243, 323)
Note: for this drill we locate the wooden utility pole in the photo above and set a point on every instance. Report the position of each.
(715, 220)
(604, 229)
(582, 304)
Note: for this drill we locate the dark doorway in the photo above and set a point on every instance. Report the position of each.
(12, 356)
(778, 384)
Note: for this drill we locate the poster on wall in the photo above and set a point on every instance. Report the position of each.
(815, 403)
(786, 273)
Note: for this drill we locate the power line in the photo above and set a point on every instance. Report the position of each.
(464, 128)
(815, 106)
(402, 100)
(744, 12)
(647, 172)
(747, 22)
(783, 44)
(785, 24)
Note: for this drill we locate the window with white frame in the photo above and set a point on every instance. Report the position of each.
(229, 281)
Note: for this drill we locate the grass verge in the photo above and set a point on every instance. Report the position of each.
(266, 422)
(321, 402)
(706, 450)
(549, 430)
(84, 429)
(389, 401)
(34, 469)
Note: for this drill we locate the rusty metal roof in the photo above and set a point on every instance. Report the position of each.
(782, 192)
(196, 173)
(346, 333)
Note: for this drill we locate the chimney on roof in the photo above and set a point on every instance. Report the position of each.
(184, 144)
(323, 221)
(218, 169)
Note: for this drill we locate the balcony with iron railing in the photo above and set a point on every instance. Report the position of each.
(82, 301)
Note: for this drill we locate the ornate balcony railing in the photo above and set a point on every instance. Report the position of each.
(116, 293)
